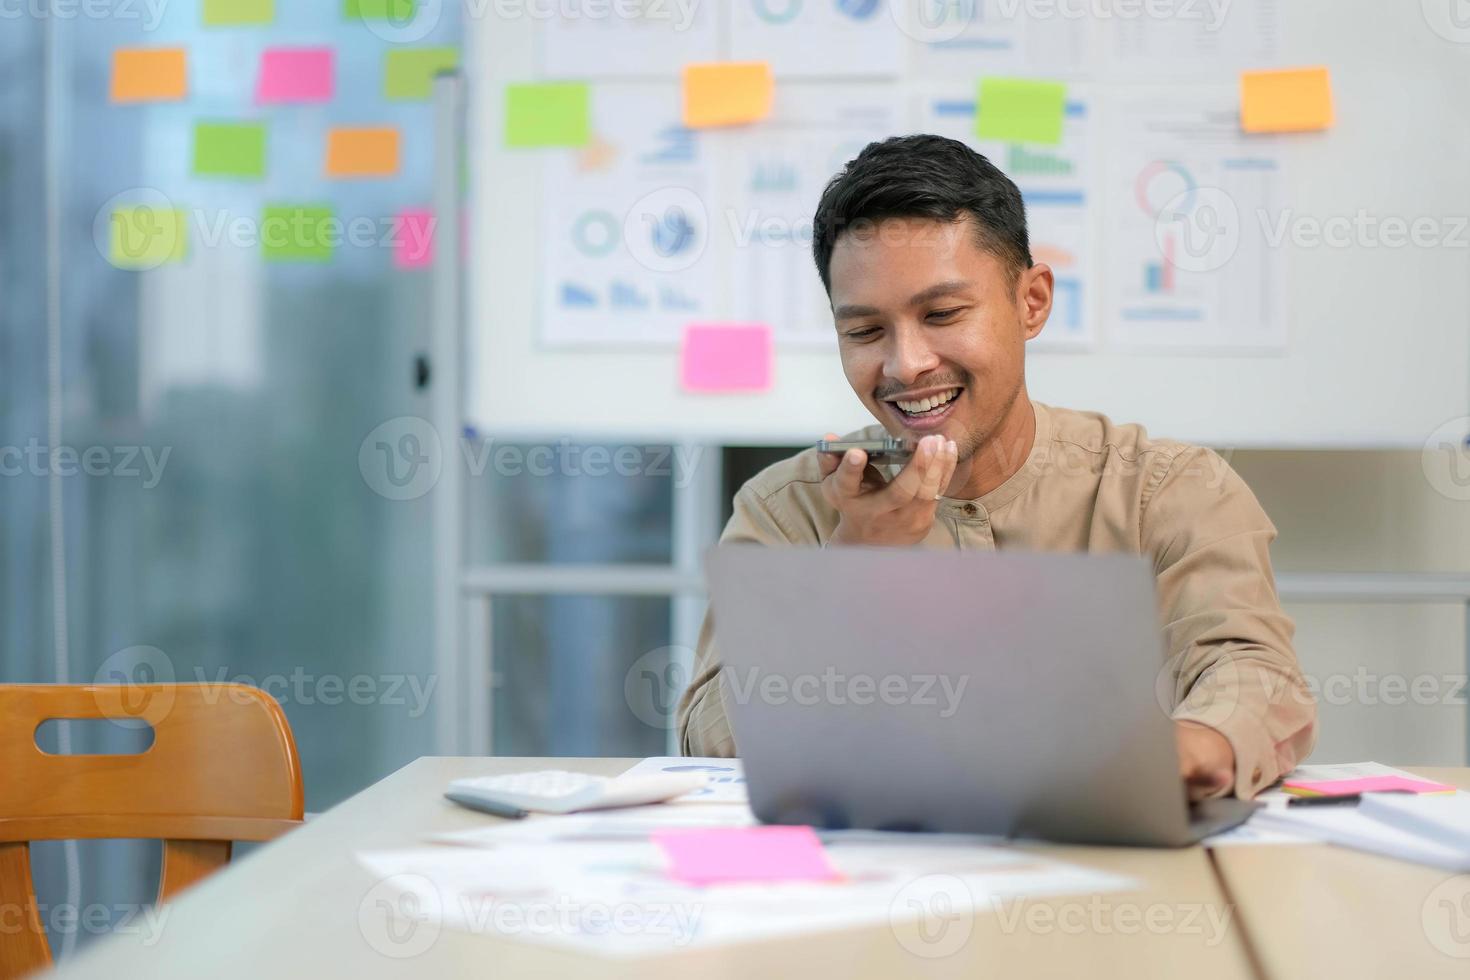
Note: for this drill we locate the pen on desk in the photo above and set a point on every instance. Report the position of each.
(1344, 799)
(486, 806)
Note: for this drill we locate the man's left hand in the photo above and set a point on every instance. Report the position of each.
(1206, 760)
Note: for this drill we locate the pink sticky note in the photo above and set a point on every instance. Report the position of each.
(1368, 784)
(296, 75)
(735, 854)
(726, 357)
(414, 244)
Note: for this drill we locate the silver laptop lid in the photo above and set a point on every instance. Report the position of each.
(1001, 693)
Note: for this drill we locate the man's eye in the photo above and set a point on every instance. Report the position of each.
(862, 333)
(945, 314)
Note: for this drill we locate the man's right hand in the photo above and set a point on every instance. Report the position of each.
(897, 512)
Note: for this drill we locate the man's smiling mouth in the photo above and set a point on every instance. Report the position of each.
(922, 409)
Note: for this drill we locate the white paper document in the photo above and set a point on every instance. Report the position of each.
(834, 38)
(1346, 826)
(959, 38)
(1441, 818)
(1261, 829)
(774, 175)
(601, 826)
(626, 225)
(1190, 38)
(1056, 182)
(1191, 262)
(597, 39)
(613, 898)
(726, 777)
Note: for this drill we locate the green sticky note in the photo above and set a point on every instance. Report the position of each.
(229, 150)
(299, 233)
(1021, 110)
(233, 13)
(147, 237)
(408, 73)
(395, 10)
(548, 114)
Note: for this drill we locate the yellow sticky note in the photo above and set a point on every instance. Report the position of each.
(150, 74)
(145, 237)
(363, 152)
(1287, 101)
(727, 93)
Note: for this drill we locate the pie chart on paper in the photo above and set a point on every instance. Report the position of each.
(858, 9)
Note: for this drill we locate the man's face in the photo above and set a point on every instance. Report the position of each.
(932, 333)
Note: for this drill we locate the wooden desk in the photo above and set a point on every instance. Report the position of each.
(1320, 911)
(292, 910)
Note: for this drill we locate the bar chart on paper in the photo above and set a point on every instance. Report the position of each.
(1189, 263)
(1055, 183)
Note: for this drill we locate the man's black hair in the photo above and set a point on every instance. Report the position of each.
(922, 176)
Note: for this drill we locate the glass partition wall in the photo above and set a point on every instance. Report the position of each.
(218, 379)
(215, 332)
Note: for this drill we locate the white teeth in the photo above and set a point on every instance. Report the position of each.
(929, 404)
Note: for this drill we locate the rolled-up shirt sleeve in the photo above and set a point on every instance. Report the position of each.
(1231, 662)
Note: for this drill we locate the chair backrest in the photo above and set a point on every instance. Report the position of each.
(222, 767)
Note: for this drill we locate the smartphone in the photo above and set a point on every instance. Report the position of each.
(887, 449)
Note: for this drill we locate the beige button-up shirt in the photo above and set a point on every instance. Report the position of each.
(1091, 485)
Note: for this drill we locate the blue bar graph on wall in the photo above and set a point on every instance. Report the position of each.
(1069, 304)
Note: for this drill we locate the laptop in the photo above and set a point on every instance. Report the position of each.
(997, 693)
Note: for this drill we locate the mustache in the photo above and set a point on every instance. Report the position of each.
(886, 394)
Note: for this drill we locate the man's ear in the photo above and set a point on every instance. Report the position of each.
(1034, 294)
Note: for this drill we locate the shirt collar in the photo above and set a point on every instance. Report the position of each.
(1018, 481)
(1022, 479)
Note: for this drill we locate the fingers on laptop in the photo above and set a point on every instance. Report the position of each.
(1205, 783)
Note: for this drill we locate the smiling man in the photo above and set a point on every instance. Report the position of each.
(922, 245)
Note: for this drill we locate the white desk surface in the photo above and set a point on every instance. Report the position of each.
(291, 910)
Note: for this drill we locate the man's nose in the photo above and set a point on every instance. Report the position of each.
(909, 355)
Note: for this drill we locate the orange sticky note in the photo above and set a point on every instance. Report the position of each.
(363, 152)
(1287, 101)
(150, 74)
(727, 93)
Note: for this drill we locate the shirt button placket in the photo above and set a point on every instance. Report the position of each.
(976, 517)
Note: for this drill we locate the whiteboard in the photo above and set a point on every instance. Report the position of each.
(1377, 330)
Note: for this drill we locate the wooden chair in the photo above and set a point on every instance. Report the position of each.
(222, 767)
